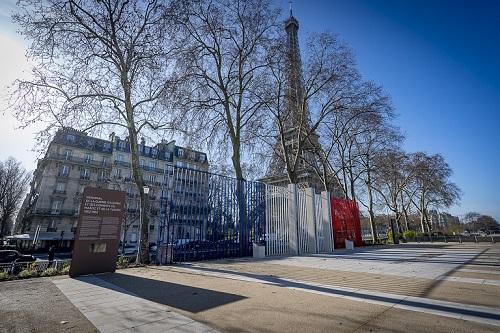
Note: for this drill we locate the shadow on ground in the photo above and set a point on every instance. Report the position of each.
(175, 295)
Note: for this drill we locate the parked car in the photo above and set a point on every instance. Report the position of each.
(10, 256)
(128, 250)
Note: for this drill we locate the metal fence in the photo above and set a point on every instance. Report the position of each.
(277, 228)
(40, 265)
(207, 216)
(454, 239)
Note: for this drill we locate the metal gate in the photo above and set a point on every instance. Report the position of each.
(208, 216)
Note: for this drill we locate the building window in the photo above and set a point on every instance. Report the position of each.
(180, 152)
(56, 207)
(119, 157)
(104, 175)
(146, 150)
(64, 170)
(67, 154)
(179, 164)
(152, 165)
(192, 155)
(52, 226)
(88, 158)
(118, 173)
(167, 155)
(71, 137)
(107, 146)
(154, 152)
(85, 174)
(121, 144)
(141, 163)
(60, 187)
(104, 161)
(152, 178)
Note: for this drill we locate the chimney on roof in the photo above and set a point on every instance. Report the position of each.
(112, 137)
(143, 141)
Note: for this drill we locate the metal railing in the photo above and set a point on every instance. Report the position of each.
(455, 238)
(80, 160)
(15, 268)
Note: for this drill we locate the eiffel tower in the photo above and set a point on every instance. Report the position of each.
(296, 119)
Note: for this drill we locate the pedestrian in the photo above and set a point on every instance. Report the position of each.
(52, 250)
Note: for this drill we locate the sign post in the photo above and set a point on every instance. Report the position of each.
(98, 232)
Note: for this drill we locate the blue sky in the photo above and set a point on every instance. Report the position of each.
(439, 60)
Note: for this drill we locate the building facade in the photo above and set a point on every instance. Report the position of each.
(75, 160)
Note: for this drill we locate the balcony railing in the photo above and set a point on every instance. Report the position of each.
(79, 160)
(122, 163)
(60, 212)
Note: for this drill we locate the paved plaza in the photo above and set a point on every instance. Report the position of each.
(407, 288)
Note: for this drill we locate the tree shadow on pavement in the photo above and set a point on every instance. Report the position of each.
(175, 295)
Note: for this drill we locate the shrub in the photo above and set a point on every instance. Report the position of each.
(49, 272)
(65, 268)
(28, 272)
(4, 276)
(122, 262)
(409, 234)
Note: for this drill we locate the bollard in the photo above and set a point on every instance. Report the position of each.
(459, 239)
(445, 240)
(492, 240)
(475, 238)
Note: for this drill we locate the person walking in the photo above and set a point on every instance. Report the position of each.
(52, 251)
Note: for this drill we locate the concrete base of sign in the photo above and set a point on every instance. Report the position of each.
(259, 251)
(349, 245)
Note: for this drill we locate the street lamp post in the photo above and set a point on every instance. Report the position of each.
(142, 210)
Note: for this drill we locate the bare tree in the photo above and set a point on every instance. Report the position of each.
(394, 175)
(366, 104)
(14, 181)
(98, 64)
(299, 109)
(225, 50)
(433, 186)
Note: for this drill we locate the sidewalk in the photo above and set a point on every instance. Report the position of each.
(112, 309)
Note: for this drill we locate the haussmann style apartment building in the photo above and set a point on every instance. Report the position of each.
(75, 160)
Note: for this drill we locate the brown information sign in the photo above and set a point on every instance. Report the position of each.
(98, 232)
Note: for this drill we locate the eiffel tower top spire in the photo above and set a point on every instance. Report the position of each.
(294, 84)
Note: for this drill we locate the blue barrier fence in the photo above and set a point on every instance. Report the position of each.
(208, 216)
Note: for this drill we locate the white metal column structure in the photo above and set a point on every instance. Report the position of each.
(277, 221)
(297, 221)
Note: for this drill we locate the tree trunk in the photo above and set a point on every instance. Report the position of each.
(370, 209)
(241, 199)
(422, 217)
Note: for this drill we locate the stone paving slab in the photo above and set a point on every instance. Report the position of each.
(302, 307)
(113, 309)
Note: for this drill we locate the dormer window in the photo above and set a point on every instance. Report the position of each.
(71, 138)
(180, 152)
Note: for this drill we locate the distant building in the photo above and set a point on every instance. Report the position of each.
(442, 220)
(75, 160)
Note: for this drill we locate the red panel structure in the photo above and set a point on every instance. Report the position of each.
(345, 222)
